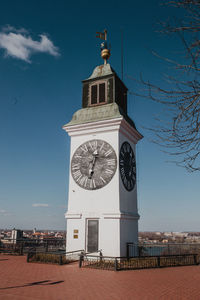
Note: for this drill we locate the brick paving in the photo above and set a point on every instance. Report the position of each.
(20, 280)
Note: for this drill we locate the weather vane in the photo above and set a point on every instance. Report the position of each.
(105, 51)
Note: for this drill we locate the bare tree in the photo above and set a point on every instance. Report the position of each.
(181, 133)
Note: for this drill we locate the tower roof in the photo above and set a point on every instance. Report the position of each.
(101, 72)
(99, 113)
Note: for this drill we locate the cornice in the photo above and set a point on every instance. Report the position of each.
(121, 215)
(73, 216)
(93, 127)
(130, 132)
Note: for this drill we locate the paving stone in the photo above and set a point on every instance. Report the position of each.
(20, 280)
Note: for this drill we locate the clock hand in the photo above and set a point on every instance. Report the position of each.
(130, 167)
(91, 171)
(95, 153)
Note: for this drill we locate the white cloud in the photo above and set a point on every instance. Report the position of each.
(40, 205)
(18, 44)
(4, 213)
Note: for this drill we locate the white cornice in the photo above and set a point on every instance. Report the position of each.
(122, 215)
(103, 126)
(130, 132)
(73, 216)
(118, 215)
(93, 127)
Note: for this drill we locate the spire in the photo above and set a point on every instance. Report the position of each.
(105, 51)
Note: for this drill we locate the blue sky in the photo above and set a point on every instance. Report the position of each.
(46, 49)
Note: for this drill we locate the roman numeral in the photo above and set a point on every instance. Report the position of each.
(101, 147)
(108, 171)
(76, 166)
(121, 162)
(102, 179)
(111, 162)
(94, 183)
(84, 148)
(108, 152)
(125, 181)
(91, 183)
(79, 178)
(132, 183)
(83, 180)
(78, 156)
(93, 145)
(122, 153)
(122, 172)
(86, 180)
(77, 174)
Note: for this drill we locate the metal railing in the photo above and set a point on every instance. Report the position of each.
(157, 261)
(53, 257)
(122, 263)
(138, 250)
(22, 246)
(97, 261)
(141, 256)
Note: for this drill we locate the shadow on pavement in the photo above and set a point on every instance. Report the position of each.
(44, 282)
(3, 259)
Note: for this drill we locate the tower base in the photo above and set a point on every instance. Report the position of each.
(108, 233)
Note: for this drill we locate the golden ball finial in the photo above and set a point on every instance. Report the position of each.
(105, 54)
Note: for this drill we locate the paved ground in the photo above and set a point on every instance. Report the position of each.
(20, 280)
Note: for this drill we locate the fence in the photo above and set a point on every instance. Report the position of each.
(138, 256)
(22, 246)
(138, 250)
(142, 256)
(53, 257)
(122, 263)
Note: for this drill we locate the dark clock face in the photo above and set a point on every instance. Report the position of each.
(93, 164)
(127, 166)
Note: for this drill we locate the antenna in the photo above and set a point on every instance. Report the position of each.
(122, 54)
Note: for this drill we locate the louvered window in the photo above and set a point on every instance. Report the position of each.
(102, 96)
(94, 94)
(98, 93)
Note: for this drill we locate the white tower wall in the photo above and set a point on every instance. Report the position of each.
(112, 205)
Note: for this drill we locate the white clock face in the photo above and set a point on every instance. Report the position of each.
(93, 164)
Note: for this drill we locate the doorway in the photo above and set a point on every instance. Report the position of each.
(92, 235)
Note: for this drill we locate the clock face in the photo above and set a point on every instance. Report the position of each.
(93, 164)
(127, 166)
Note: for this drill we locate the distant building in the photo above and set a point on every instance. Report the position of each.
(168, 234)
(16, 235)
(165, 241)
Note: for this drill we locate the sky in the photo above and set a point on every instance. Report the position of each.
(46, 49)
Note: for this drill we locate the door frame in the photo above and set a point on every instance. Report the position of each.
(86, 232)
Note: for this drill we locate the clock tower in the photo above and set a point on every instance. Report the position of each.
(102, 209)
